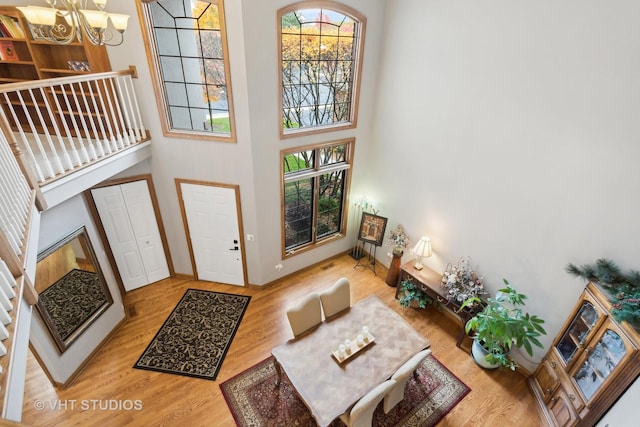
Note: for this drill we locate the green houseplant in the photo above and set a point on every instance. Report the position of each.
(409, 293)
(500, 326)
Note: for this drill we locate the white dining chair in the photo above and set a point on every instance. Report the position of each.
(401, 377)
(361, 414)
(306, 314)
(336, 298)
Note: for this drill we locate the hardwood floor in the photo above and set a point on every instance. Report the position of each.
(498, 398)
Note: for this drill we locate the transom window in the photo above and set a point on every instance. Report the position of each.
(314, 188)
(189, 54)
(320, 55)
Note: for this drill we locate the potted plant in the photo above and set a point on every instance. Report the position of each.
(410, 294)
(461, 282)
(400, 241)
(500, 326)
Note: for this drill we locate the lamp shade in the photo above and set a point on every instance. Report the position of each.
(422, 250)
(119, 21)
(37, 15)
(96, 19)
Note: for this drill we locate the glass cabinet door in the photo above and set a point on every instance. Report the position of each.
(604, 356)
(578, 331)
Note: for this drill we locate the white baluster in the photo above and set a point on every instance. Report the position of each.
(91, 150)
(127, 110)
(4, 334)
(112, 114)
(102, 136)
(107, 117)
(54, 154)
(56, 130)
(12, 169)
(5, 301)
(14, 178)
(23, 137)
(74, 153)
(6, 285)
(4, 269)
(136, 108)
(83, 154)
(5, 319)
(96, 136)
(123, 127)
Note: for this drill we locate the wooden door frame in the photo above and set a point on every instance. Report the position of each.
(236, 189)
(91, 204)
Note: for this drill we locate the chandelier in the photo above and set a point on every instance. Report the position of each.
(73, 21)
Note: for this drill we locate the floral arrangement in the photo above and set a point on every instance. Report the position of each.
(398, 239)
(461, 281)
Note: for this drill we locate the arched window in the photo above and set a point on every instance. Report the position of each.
(320, 48)
(188, 56)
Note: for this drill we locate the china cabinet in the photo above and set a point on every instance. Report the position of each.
(591, 363)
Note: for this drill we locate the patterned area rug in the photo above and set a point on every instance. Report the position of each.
(195, 338)
(72, 300)
(254, 401)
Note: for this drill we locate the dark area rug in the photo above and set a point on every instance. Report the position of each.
(254, 400)
(72, 300)
(195, 338)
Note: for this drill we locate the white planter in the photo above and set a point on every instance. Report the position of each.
(479, 353)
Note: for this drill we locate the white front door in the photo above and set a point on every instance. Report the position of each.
(212, 224)
(129, 221)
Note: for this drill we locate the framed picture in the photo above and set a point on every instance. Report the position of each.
(372, 228)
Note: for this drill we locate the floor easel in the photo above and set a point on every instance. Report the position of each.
(360, 253)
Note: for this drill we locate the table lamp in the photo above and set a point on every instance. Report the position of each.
(421, 250)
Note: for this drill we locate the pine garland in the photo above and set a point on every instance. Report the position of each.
(625, 287)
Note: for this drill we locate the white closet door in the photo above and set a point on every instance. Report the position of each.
(130, 224)
(145, 227)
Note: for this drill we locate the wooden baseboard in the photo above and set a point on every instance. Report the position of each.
(184, 276)
(309, 267)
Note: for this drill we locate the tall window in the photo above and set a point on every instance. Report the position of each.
(188, 51)
(314, 189)
(320, 55)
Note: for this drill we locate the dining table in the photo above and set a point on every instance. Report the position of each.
(329, 384)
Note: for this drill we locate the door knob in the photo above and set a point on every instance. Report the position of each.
(235, 248)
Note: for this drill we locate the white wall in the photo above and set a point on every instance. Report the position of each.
(507, 131)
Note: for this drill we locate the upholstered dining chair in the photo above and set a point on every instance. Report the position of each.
(306, 314)
(336, 298)
(401, 377)
(361, 414)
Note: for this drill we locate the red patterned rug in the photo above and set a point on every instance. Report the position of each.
(254, 401)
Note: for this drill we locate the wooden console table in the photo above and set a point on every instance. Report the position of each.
(431, 283)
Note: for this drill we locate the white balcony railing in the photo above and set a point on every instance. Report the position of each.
(67, 123)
